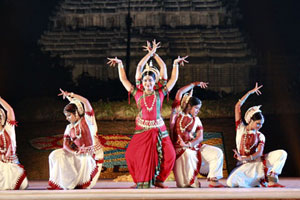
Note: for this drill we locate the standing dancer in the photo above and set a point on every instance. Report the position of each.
(254, 167)
(192, 157)
(78, 164)
(12, 173)
(150, 155)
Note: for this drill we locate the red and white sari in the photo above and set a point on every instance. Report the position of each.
(77, 171)
(202, 158)
(12, 173)
(254, 173)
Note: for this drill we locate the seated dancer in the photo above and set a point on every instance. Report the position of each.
(192, 157)
(254, 168)
(150, 155)
(12, 173)
(78, 164)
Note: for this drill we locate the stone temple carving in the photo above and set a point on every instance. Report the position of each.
(85, 32)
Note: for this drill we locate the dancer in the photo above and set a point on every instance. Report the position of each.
(78, 164)
(192, 157)
(254, 168)
(12, 173)
(150, 155)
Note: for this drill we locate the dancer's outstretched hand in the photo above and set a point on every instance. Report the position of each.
(181, 60)
(201, 84)
(113, 61)
(148, 47)
(63, 93)
(256, 89)
(155, 46)
(152, 49)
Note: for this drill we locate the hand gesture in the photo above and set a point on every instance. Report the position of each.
(237, 155)
(201, 84)
(181, 142)
(256, 89)
(181, 60)
(155, 46)
(148, 47)
(82, 150)
(63, 93)
(152, 49)
(113, 61)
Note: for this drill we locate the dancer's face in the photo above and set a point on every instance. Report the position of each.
(70, 117)
(195, 110)
(148, 83)
(256, 125)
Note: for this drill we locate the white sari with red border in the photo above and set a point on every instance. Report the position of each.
(12, 173)
(253, 173)
(77, 171)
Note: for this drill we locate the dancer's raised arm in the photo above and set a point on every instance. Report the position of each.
(174, 75)
(241, 101)
(10, 111)
(86, 103)
(122, 75)
(144, 60)
(188, 87)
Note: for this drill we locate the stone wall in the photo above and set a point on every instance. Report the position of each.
(85, 32)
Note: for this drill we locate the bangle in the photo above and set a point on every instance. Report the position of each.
(251, 158)
(175, 65)
(72, 94)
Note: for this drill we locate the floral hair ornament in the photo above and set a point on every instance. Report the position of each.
(151, 68)
(2, 113)
(77, 104)
(185, 99)
(250, 112)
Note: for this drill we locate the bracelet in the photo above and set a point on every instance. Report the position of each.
(175, 65)
(72, 94)
(251, 158)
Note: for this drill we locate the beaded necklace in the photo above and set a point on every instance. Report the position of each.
(149, 109)
(180, 122)
(78, 136)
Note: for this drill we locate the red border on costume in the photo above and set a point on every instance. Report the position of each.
(91, 113)
(21, 178)
(12, 123)
(197, 170)
(53, 186)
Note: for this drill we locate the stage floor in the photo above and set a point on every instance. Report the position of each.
(107, 189)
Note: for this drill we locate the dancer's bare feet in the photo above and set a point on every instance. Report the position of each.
(159, 184)
(216, 185)
(272, 184)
